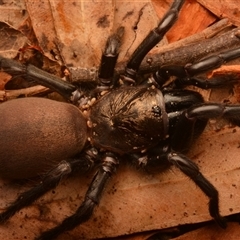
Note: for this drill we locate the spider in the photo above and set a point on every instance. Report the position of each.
(151, 122)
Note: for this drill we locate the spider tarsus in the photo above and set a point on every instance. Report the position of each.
(82, 215)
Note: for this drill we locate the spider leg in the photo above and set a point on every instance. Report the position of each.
(185, 126)
(183, 136)
(31, 72)
(109, 59)
(203, 83)
(91, 199)
(185, 73)
(66, 89)
(151, 40)
(214, 110)
(200, 113)
(192, 171)
(50, 181)
(163, 157)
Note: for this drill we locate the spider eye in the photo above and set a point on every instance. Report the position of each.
(156, 110)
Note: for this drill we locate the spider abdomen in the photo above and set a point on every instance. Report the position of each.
(36, 134)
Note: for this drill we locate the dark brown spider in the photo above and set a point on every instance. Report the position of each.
(151, 122)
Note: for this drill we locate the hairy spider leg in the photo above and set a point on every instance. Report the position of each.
(50, 181)
(154, 37)
(185, 73)
(162, 158)
(91, 199)
(192, 171)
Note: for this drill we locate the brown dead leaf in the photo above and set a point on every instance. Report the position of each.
(226, 69)
(77, 31)
(13, 16)
(11, 40)
(4, 79)
(13, 13)
(224, 9)
(214, 233)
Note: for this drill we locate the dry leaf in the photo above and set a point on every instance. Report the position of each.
(223, 9)
(213, 232)
(78, 31)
